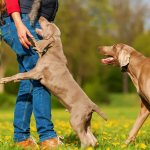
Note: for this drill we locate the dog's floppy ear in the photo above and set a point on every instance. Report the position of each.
(45, 34)
(123, 58)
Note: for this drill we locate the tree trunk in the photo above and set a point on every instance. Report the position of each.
(1, 76)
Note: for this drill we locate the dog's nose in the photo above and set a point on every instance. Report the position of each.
(100, 48)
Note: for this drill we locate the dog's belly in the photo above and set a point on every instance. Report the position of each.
(58, 80)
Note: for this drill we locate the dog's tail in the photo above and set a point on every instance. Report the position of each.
(99, 112)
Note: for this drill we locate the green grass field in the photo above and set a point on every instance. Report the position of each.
(111, 135)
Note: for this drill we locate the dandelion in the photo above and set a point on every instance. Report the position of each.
(123, 146)
(126, 126)
(90, 148)
(142, 146)
(104, 138)
(104, 133)
(115, 143)
(7, 138)
(59, 132)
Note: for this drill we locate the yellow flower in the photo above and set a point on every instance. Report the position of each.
(7, 138)
(142, 146)
(126, 126)
(59, 132)
(105, 133)
(115, 143)
(105, 138)
(123, 146)
(90, 148)
(107, 148)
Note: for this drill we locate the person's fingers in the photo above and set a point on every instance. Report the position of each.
(23, 43)
(26, 40)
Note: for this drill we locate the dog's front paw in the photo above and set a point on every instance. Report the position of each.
(7, 79)
(3, 80)
(129, 140)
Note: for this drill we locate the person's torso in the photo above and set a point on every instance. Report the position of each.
(48, 8)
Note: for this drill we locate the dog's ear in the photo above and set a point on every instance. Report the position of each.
(44, 33)
(123, 58)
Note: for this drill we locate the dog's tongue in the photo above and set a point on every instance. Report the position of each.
(107, 60)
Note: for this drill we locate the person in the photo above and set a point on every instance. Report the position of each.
(32, 96)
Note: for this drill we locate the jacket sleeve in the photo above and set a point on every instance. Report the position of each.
(12, 6)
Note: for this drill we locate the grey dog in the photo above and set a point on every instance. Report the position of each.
(51, 69)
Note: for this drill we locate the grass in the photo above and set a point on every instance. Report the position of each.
(111, 135)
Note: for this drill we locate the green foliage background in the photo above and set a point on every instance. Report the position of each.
(85, 25)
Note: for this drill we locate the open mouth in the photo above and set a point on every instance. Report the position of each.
(107, 60)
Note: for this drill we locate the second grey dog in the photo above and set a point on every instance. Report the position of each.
(52, 71)
(137, 66)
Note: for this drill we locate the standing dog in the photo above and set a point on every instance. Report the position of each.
(138, 68)
(53, 73)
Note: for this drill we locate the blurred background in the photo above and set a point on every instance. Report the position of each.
(85, 25)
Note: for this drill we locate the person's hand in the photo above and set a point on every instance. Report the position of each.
(23, 34)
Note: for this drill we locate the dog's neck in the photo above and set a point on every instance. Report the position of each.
(136, 61)
(56, 51)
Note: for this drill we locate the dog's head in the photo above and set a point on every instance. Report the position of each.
(48, 29)
(49, 32)
(118, 54)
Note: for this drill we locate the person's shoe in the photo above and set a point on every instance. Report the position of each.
(28, 144)
(51, 144)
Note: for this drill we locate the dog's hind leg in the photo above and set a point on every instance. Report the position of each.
(144, 113)
(92, 138)
(32, 74)
(88, 131)
(77, 122)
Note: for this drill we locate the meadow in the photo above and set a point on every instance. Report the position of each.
(111, 134)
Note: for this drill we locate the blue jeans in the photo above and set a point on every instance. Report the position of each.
(32, 96)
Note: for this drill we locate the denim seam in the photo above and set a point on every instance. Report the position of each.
(8, 32)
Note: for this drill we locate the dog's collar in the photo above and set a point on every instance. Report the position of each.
(45, 50)
(124, 68)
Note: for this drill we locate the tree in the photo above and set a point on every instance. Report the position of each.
(129, 23)
(79, 39)
(8, 67)
(141, 43)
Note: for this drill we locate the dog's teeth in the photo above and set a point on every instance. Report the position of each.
(111, 58)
